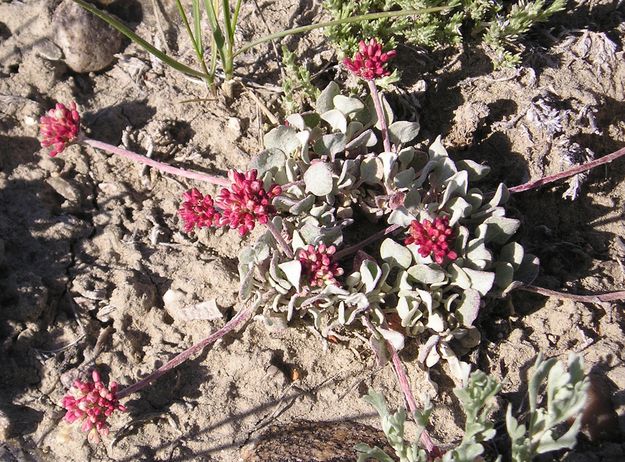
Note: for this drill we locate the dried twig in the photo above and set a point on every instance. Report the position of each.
(596, 298)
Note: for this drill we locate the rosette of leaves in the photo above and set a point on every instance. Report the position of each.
(332, 173)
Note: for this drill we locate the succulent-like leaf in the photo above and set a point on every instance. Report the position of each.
(319, 179)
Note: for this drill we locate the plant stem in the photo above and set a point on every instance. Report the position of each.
(374, 237)
(338, 22)
(568, 173)
(379, 110)
(240, 318)
(398, 367)
(596, 298)
(163, 167)
(279, 239)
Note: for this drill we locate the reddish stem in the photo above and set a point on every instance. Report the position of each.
(240, 318)
(432, 450)
(279, 239)
(163, 167)
(356, 247)
(568, 173)
(379, 110)
(596, 298)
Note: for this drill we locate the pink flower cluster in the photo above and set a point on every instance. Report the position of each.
(92, 403)
(238, 207)
(369, 62)
(59, 127)
(317, 265)
(433, 238)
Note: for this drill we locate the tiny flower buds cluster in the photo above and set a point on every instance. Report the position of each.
(317, 265)
(369, 62)
(238, 207)
(433, 238)
(59, 127)
(92, 403)
(198, 210)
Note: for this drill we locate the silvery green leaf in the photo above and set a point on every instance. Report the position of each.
(427, 274)
(436, 322)
(476, 250)
(336, 119)
(432, 358)
(405, 178)
(371, 170)
(426, 299)
(247, 284)
(528, 271)
(330, 145)
(370, 274)
(425, 171)
(388, 161)
(482, 281)
(366, 138)
(393, 337)
(303, 205)
(458, 276)
(406, 155)
(297, 242)
(311, 118)
(402, 132)
(395, 254)
(437, 150)
(501, 196)
(319, 179)
(348, 105)
(282, 138)
(293, 272)
(407, 308)
(475, 198)
(353, 128)
(401, 217)
(325, 101)
(303, 138)
(457, 185)
(469, 306)
(246, 257)
(367, 453)
(504, 274)
(267, 160)
(476, 171)
(412, 199)
(459, 209)
(512, 253)
(500, 229)
(296, 121)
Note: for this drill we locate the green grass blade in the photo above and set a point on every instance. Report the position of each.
(197, 22)
(198, 50)
(235, 17)
(225, 4)
(147, 46)
(364, 17)
(218, 36)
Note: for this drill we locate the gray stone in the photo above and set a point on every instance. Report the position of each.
(88, 43)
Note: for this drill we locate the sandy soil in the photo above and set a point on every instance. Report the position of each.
(90, 244)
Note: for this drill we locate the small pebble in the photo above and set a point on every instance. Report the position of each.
(88, 43)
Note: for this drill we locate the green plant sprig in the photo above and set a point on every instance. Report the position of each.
(223, 35)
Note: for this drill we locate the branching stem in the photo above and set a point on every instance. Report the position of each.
(161, 166)
(568, 173)
(279, 239)
(356, 247)
(379, 110)
(596, 298)
(240, 318)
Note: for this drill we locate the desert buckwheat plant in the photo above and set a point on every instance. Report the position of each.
(362, 230)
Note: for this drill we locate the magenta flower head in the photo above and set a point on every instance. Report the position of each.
(92, 402)
(317, 265)
(433, 238)
(246, 201)
(369, 62)
(198, 210)
(59, 127)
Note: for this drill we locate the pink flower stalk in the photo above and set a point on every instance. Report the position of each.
(433, 238)
(198, 210)
(369, 62)
(59, 127)
(92, 403)
(317, 265)
(239, 206)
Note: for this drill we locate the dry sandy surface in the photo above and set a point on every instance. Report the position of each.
(90, 244)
